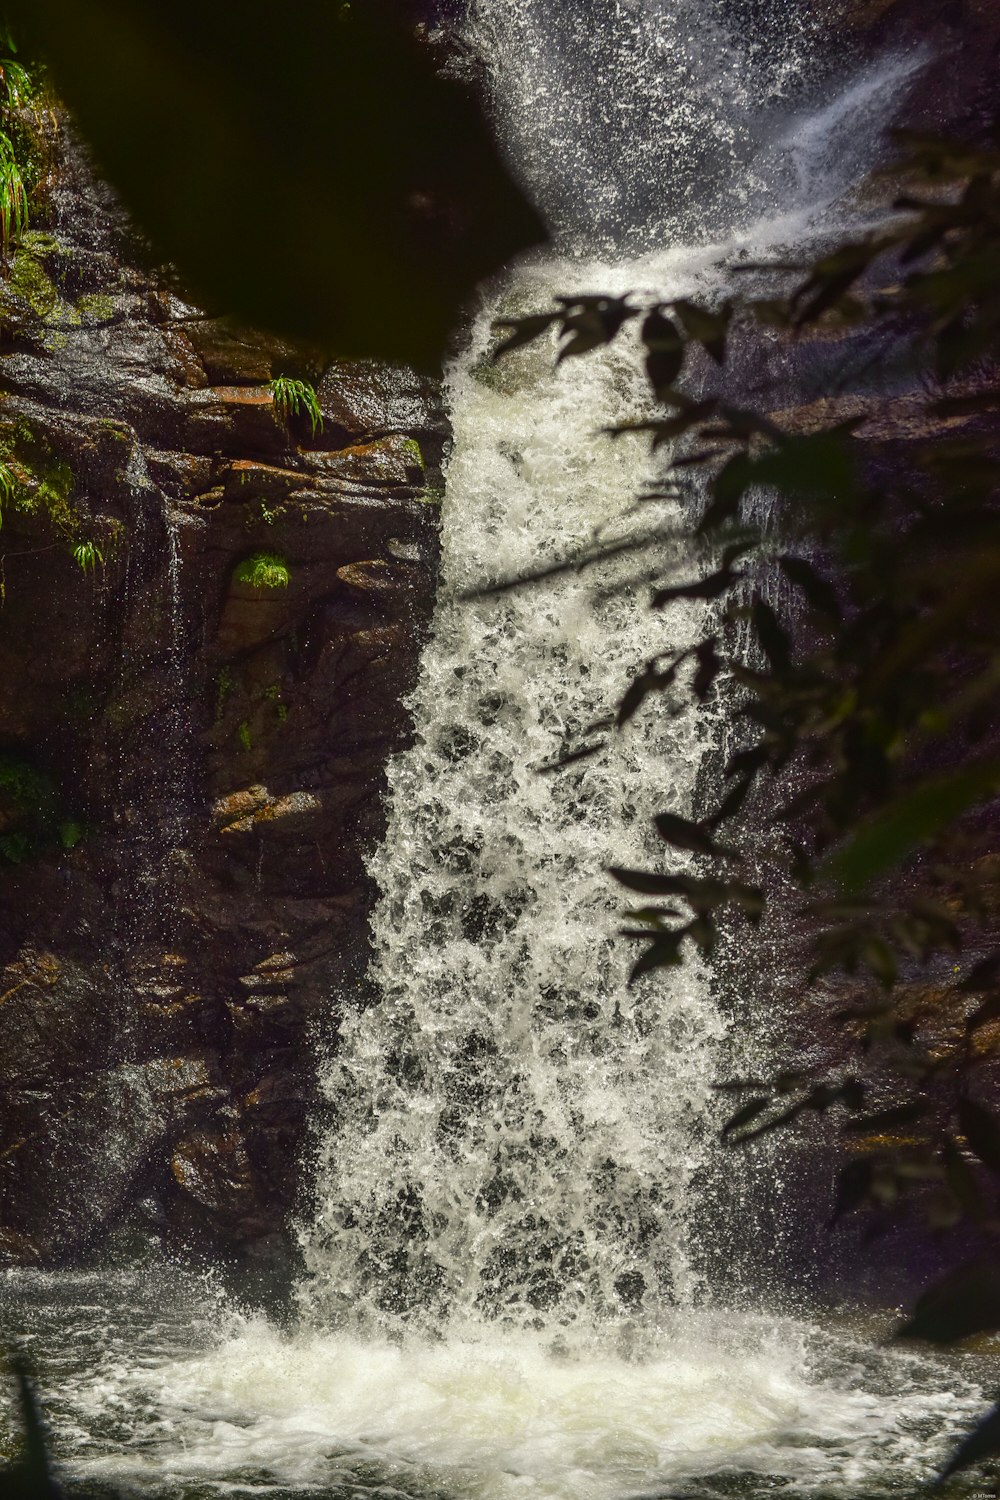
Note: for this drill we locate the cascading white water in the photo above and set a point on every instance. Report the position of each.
(513, 1130)
(504, 1140)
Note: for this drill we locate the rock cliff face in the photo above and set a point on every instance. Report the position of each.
(211, 614)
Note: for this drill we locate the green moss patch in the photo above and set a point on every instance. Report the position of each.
(30, 282)
(35, 482)
(95, 307)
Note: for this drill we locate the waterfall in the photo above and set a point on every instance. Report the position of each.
(504, 1295)
(512, 1130)
(504, 1140)
(154, 567)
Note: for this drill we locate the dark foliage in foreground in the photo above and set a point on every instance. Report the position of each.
(870, 745)
(29, 1477)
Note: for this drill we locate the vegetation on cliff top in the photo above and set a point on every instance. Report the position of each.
(18, 164)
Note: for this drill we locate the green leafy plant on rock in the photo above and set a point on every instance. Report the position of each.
(87, 555)
(264, 570)
(413, 454)
(243, 735)
(18, 169)
(8, 488)
(13, 196)
(15, 847)
(34, 480)
(273, 695)
(297, 398)
(225, 684)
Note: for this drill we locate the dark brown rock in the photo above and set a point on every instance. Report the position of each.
(194, 900)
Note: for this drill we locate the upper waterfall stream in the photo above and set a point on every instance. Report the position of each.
(503, 1292)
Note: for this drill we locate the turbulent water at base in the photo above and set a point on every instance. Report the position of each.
(503, 1295)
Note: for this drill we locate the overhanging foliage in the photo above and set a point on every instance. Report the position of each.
(870, 751)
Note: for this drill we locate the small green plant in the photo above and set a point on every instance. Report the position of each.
(8, 487)
(294, 398)
(243, 735)
(18, 167)
(264, 570)
(96, 307)
(19, 82)
(273, 695)
(414, 455)
(36, 482)
(15, 847)
(70, 833)
(224, 685)
(267, 515)
(87, 555)
(13, 196)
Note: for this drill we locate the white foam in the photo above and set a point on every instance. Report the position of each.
(500, 1415)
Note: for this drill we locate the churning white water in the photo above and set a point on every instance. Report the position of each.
(513, 1129)
(501, 1297)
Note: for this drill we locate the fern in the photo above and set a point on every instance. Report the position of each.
(17, 169)
(264, 570)
(13, 196)
(87, 555)
(8, 487)
(294, 398)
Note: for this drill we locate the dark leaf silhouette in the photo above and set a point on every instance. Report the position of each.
(664, 351)
(30, 1475)
(708, 328)
(523, 331)
(854, 1182)
(983, 1442)
(746, 1113)
(820, 594)
(964, 1302)
(982, 1131)
(983, 975)
(912, 818)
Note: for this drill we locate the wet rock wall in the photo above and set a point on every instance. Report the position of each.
(211, 613)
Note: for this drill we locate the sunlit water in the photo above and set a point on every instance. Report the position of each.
(503, 1292)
